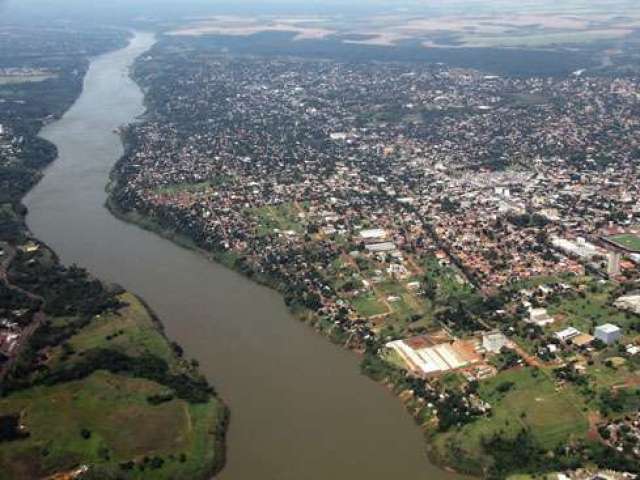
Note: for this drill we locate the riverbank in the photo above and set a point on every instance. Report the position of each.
(96, 382)
(372, 366)
(124, 416)
(283, 381)
(228, 261)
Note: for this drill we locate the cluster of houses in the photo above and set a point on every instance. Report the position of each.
(311, 172)
(278, 137)
(623, 434)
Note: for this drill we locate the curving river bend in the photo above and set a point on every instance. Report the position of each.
(300, 410)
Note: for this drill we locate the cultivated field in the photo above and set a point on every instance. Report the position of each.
(451, 24)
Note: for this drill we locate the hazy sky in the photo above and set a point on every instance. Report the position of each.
(107, 10)
(104, 11)
(186, 7)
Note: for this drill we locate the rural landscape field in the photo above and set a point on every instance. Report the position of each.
(468, 23)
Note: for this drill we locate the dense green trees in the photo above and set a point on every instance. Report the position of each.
(66, 291)
(10, 428)
(190, 387)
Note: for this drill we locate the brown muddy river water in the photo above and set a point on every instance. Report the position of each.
(300, 410)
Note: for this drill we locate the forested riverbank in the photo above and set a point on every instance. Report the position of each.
(89, 379)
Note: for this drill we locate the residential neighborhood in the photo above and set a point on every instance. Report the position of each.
(474, 236)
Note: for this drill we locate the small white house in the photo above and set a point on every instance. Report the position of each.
(540, 317)
(567, 334)
(608, 333)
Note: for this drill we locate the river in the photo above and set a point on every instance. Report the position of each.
(300, 410)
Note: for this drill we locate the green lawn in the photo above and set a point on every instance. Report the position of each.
(368, 305)
(123, 426)
(533, 402)
(450, 284)
(604, 376)
(628, 241)
(406, 305)
(588, 312)
(191, 187)
(131, 330)
(282, 217)
(552, 415)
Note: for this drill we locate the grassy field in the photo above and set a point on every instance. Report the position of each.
(199, 187)
(282, 217)
(628, 241)
(532, 402)
(368, 305)
(584, 313)
(407, 306)
(120, 425)
(184, 187)
(605, 376)
(131, 331)
(450, 283)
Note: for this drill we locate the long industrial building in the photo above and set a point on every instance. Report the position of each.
(432, 359)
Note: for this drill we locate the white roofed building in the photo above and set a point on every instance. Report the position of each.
(540, 317)
(373, 234)
(567, 334)
(629, 302)
(608, 333)
(494, 341)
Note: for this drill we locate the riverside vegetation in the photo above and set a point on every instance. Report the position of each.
(89, 383)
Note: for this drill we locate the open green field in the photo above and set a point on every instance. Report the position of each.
(408, 309)
(584, 313)
(532, 402)
(368, 305)
(448, 283)
(612, 374)
(628, 241)
(184, 187)
(131, 330)
(281, 217)
(122, 426)
(198, 187)
(106, 420)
